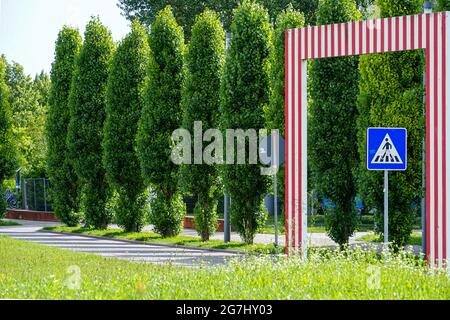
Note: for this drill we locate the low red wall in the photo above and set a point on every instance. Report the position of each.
(31, 215)
(189, 223)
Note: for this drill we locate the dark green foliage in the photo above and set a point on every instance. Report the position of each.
(244, 95)
(391, 96)
(87, 103)
(166, 215)
(333, 88)
(274, 114)
(443, 5)
(123, 111)
(161, 115)
(204, 63)
(64, 191)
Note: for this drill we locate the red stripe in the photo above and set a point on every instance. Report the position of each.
(444, 141)
(420, 25)
(313, 39)
(389, 34)
(286, 121)
(332, 40)
(404, 32)
(367, 37)
(326, 40)
(319, 42)
(293, 141)
(375, 35)
(306, 44)
(413, 33)
(347, 27)
(353, 38)
(339, 53)
(361, 37)
(397, 34)
(428, 125)
(382, 36)
(436, 135)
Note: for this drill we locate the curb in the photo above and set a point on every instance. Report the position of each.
(174, 246)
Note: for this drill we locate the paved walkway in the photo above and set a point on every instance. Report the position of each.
(30, 231)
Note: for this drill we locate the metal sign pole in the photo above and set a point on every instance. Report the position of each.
(386, 208)
(227, 225)
(275, 193)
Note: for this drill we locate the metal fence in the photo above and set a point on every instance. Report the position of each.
(35, 195)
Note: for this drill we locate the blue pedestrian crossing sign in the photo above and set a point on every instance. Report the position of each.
(386, 149)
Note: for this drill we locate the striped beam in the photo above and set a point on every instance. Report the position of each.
(426, 31)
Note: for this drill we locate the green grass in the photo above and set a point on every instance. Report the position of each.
(151, 237)
(8, 223)
(415, 240)
(33, 271)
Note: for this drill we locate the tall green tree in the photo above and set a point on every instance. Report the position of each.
(123, 111)
(391, 95)
(204, 63)
(244, 95)
(274, 113)
(443, 5)
(87, 102)
(333, 88)
(64, 190)
(161, 116)
(7, 148)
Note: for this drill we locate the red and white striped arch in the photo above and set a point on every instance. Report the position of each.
(426, 31)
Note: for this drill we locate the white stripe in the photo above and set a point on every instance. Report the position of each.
(357, 44)
(316, 42)
(447, 116)
(424, 30)
(409, 41)
(416, 32)
(290, 198)
(393, 33)
(371, 25)
(438, 117)
(302, 53)
(431, 164)
(329, 40)
(343, 40)
(364, 35)
(297, 144)
(322, 41)
(304, 161)
(336, 41)
(386, 34)
(400, 34)
(379, 31)
(309, 42)
(350, 37)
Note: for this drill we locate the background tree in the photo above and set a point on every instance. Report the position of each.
(391, 95)
(64, 190)
(333, 88)
(87, 115)
(274, 114)
(161, 115)
(443, 5)
(204, 62)
(244, 94)
(123, 111)
(7, 148)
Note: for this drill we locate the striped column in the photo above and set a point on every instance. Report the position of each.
(426, 31)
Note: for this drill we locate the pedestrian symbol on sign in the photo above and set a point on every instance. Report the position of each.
(387, 153)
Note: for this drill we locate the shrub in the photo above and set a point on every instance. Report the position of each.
(204, 62)
(64, 191)
(167, 216)
(161, 115)
(390, 95)
(123, 111)
(244, 94)
(333, 88)
(87, 110)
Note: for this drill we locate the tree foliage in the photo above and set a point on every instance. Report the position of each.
(123, 111)
(391, 95)
(87, 103)
(274, 113)
(244, 94)
(443, 5)
(64, 190)
(7, 147)
(204, 63)
(333, 88)
(161, 115)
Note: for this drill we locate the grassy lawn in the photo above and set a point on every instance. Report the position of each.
(151, 237)
(416, 239)
(8, 223)
(33, 271)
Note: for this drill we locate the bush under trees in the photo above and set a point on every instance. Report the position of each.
(64, 190)
(7, 147)
(123, 111)
(161, 116)
(391, 95)
(87, 103)
(244, 95)
(333, 89)
(204, 63)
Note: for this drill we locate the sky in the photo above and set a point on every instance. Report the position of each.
(29, 28)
